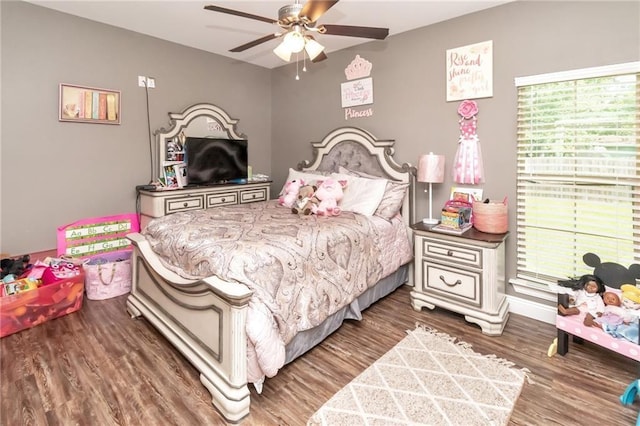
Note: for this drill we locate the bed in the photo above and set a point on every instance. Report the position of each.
(614, 276)
(206, 314)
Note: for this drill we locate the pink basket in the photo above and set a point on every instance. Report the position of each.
(491, 217)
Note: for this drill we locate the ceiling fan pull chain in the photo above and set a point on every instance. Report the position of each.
(304, 62)
(297, 62)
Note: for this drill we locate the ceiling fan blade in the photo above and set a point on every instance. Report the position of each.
(353, 31)
(255, 43)
(313, 10)
(321, 57)
(241, 14)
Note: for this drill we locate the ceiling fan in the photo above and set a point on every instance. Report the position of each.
(299, 22)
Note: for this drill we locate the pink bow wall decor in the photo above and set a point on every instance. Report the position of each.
(467, 165)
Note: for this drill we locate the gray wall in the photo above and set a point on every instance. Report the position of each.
(409, 87)
(53, 173)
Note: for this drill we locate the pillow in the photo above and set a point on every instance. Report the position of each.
(308, 177)
(361, 195)
(392, 199)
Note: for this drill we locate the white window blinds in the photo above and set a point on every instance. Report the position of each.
(578, 172)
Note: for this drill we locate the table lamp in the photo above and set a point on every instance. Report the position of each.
(431, 170)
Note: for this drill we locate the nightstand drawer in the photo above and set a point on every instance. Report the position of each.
(451, 252)
(452, 283)
(254, 195)
(173, 205)
(222, 199)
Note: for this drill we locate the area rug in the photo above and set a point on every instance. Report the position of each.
(428, 378)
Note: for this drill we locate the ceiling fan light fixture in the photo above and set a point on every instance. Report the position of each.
(313, 48)
(283, 52)
(294, 41)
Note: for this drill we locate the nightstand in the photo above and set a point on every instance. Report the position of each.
(462, 273)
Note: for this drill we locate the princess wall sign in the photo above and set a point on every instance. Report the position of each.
(358, 90)
(470, 71)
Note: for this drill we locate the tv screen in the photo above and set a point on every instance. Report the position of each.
(211, 161)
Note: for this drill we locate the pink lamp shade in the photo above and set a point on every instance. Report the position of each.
(431, 168)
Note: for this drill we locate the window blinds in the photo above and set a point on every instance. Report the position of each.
(578, 156)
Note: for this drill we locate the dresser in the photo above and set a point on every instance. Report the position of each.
(462, 273)
(154, 204)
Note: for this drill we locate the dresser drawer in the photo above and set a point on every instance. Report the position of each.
(451, 252)
(222, 199)
(253, 195)
(452, 283)
(178, 204)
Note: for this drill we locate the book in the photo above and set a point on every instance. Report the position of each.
(96, 103)
(449, 230)
(88, 104)
(102, 106)
(111, 107)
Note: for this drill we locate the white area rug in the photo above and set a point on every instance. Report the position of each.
(428, 378)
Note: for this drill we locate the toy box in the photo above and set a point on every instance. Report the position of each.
(32, 307)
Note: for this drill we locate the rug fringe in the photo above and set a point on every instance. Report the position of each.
(506, 363)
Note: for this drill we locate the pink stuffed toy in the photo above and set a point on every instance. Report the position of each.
(329, 194)
(290, 194)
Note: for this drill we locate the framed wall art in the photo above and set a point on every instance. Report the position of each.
(470, 71)
(89, 104)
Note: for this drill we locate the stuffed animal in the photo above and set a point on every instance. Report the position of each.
(329, 193)
(290, 194)
(306, 200)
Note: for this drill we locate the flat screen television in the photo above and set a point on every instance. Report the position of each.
(213, 161)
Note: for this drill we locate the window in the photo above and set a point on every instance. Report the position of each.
(578, 156)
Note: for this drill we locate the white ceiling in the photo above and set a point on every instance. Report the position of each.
(186, 22)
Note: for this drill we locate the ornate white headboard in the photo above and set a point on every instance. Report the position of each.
(199, 120)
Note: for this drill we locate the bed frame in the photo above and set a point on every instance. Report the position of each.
(205, 319)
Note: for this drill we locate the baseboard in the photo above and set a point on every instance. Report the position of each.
(533, 310)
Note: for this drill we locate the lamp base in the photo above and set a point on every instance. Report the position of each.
(428, 221)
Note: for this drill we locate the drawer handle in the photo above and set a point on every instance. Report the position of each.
(449, 253)
(458, 282)
(253, 196)
(224, 199)
(185, 205)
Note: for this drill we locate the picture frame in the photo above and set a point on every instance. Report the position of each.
(84, 104)
(460, 193)
(170, 175)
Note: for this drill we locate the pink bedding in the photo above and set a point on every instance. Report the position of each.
(301, 268)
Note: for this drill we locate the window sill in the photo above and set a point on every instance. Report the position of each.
(532, 289)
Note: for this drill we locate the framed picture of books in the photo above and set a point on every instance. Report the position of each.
(89, 104)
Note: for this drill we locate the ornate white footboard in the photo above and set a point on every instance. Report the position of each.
(203, 319)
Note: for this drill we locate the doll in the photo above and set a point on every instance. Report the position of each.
(587, 297)
(612, 315)
(626, 326)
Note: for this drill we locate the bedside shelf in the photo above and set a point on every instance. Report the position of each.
(462, 273)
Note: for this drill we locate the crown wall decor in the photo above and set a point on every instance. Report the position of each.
(358, 68)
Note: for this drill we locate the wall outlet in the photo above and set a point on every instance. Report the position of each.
(151, 82)
(142, 81)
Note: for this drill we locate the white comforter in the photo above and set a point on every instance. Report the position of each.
(301, 268)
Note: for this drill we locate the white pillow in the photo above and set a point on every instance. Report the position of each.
(393, 195)
(361, 195)
(308, 178)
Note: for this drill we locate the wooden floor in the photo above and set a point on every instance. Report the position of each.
(99, 367)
